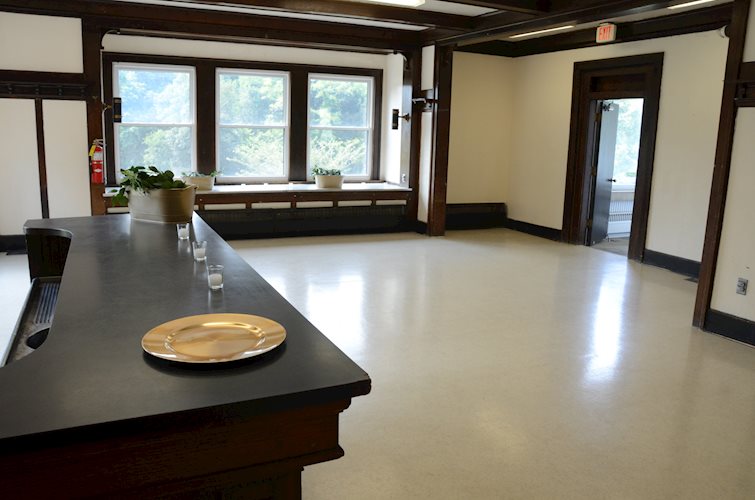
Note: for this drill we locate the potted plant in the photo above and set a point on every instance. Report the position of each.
(204, 182)
(328, 178)
(154, 195)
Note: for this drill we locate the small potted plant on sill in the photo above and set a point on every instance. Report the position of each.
(204, 182)
(154, 195)
(328, 178)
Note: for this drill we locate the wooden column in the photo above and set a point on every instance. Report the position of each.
(722, 165)
(436, 216)
(411, 132)
(92, 34)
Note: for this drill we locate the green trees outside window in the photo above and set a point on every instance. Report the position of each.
(158, 117)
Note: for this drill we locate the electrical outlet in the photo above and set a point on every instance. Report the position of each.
(403, 178)
(742, 286)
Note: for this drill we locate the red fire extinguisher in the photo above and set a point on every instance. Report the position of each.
(97, 161)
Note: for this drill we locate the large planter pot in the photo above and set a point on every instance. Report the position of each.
(203, 183)
(329, 181)
(169, 206)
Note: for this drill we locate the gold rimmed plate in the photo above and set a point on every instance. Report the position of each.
(214, 338)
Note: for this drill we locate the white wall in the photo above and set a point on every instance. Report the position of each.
(736, 254)
(480, 141)
(540, 115)
(393, 78)
(749, 54)
(40, 43)
(390, 158)
(18, 164)
(66, 147)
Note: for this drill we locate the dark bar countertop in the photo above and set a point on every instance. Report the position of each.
(123, 278)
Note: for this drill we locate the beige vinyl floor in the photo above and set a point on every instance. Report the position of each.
(508, 366)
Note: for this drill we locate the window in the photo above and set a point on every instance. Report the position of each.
(252, 124)
(158, 125)
(340, 124)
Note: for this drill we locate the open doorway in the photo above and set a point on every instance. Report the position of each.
(617, 155)
(615, 105)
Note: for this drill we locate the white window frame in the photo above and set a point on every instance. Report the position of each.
(286, 127)
(169, 68)
(370, 128)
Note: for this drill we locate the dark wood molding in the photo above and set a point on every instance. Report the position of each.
(420, 227)
(694, 21)
(206, 119)
(533, 229)
(522, 6)
(205, 106)
(48, 85)
(119, 15)
(678, 265)
(722, 164)
(730, 326)
(411, 132)
(436, 213)
(475, 215)
(91, 40)
(502, 25)
(42, 159)
(634, 76)
(354, 10)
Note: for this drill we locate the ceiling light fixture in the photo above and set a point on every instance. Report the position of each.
(402, 3)
(549, 30)
(688, 4)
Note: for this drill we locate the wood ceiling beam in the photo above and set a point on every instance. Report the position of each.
(354, 10)
(676, 24)
(501, 24)
(116, 15)
(532, 7)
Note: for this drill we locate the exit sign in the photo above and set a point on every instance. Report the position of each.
(606, 33)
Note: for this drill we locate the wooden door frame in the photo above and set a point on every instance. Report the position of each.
(578, 183)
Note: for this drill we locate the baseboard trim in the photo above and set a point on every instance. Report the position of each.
(13, 244)
(679, 265)
(730, 326)
(533, 229)
(475, 215)
(420, 227)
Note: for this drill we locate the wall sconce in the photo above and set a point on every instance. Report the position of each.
(425, 102)
(396, 116)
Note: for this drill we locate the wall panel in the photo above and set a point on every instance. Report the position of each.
(65, 128)
(19, 167)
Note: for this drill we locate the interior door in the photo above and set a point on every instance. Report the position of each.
(607, 118)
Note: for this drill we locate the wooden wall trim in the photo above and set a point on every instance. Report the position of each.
(694, 21)
(436, 215)
(206, 115)
(673, 263)
(411, 132)
(41, 159)
(730, 326)
(722, 165)
(576, 196)
(92, 34)
(249, 27)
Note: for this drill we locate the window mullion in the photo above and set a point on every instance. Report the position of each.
(205, 117)
(298, 131)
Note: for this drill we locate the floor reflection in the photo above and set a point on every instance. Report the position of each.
(607, 327)
(337, 309)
